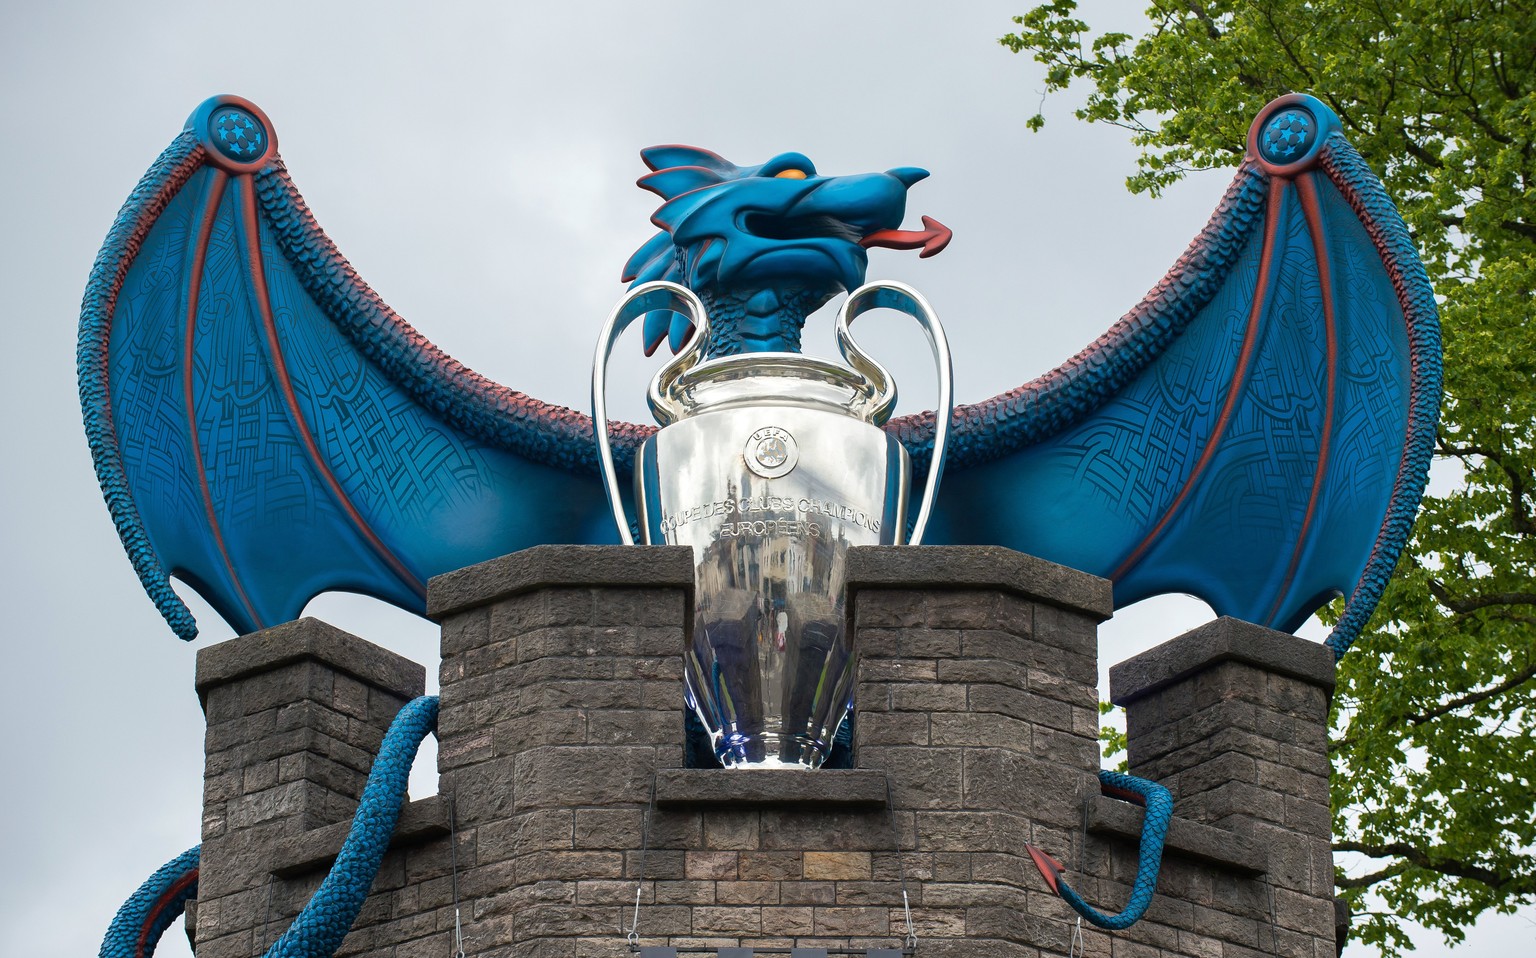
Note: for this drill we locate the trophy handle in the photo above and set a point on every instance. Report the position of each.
(903, 298)
(643, 299)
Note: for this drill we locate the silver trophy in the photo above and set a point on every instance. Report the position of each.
(771, 466)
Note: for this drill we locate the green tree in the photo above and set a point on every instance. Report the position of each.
(1435, 759)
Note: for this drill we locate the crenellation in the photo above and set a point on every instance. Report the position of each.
(561, 752)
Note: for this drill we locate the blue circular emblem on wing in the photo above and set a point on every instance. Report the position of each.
(1288, 134)
(1287, 137)
(237, 134)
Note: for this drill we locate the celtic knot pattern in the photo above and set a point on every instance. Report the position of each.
(242, 385)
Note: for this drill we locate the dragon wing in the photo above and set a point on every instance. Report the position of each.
(265, 428)
(1257, 432)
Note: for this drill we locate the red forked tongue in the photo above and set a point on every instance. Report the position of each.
(933, 237)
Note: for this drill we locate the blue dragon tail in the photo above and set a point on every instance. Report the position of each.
(318, 930)
(1159, 804)
(148, 912)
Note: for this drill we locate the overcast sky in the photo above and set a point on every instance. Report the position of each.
(476, 163)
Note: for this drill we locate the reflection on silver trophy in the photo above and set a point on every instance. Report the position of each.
(771, 466)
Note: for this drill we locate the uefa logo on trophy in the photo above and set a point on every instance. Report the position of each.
(771, 466)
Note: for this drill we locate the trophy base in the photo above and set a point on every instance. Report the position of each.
(769, 750)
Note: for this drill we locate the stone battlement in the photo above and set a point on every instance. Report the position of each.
(561, 781)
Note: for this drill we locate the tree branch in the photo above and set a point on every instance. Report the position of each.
(1519, 228)
(1472, 698)
(1335, 746)
(1366, 881)
(1519, 517)
(1422, 155)
(1204, 18)
(1476, 602)
(1415, 856)
(1290, 54)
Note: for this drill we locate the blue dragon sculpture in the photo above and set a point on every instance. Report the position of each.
(1256, 432)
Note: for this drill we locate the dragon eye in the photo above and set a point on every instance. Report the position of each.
(790, 174)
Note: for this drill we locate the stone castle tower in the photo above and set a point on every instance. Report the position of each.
(562, 789)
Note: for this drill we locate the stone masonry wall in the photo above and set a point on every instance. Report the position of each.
(1232, 718)
(295, 716)
(561, 746)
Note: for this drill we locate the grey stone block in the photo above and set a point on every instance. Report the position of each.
(740, 788)
(976, 831)
(979, 567)
(770, 866)
(530, 569)
(732, 829)
(921, 777)
(791, 829)
(809, 893)
(1224, 640)
(420, 821)
(1158, 747)
(617, 829)
(1011, 781)
(569, 776)
(926, 697)
(889, 610)
(1202, 843)
(892, 728)
(307, 640)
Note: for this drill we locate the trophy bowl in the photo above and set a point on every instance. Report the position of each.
(771, 466)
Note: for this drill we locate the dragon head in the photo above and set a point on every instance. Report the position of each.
(764, 246)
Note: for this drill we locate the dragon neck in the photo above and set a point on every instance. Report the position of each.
(764, 319)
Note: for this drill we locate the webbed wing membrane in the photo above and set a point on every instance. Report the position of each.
(266, 429)
(1257, 432)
